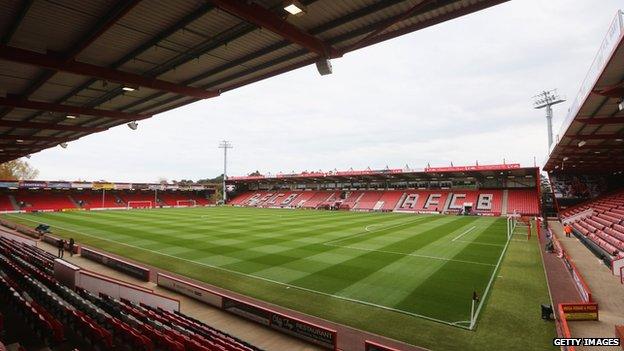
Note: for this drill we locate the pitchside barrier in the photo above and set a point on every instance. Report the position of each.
(582, 287)
(18, 238)
(310, 332)
(117, 289)
(52, 240)
(20, 228)
(126, 267)
(373, 346)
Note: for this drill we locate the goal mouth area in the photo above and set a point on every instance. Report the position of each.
(139, 204)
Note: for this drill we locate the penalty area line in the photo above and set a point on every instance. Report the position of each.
(464, 233)
(257, 277)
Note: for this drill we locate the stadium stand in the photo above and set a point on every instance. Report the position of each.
(57, 314)
(13, 199)
(487, 201)
(6, 204)
(91, 199)
(30, 200)
(601, 221)
(522, 201)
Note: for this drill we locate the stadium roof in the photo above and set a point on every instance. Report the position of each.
(72, 68)
(592, 135)
(430, 173)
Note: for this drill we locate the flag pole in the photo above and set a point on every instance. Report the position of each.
(472, 308)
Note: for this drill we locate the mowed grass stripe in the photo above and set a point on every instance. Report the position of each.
(183, 246)
(448, 291)
(334, 279)
(273, 251)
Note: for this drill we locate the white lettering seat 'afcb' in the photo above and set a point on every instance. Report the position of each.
(485, 201)
(454, 201)
(433, 200)
(410, 201)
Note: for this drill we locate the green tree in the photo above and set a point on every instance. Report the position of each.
(17, 170)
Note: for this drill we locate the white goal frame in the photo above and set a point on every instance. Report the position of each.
(191, 203)
(512, 222)
(130, 203)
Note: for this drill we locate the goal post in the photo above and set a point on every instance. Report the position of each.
(139, 204)
(186, 203)
(517, 221)
(512, 221)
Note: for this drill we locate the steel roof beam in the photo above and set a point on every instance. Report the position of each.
(593, 136)
(49, 126)
(31, 138)
(387, 24)
(68, 109)
(608, 120)
(265, 18)
(16, 22)
(51, 62)
(121, 8)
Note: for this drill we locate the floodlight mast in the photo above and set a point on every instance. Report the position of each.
(225, 145)
(547, 99)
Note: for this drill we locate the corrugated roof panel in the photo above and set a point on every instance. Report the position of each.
(259, 73)
(58, 26)
(213, 23)
(222, 55)
(59, 85)
(15, 77)
(8, 12)
(138, 26)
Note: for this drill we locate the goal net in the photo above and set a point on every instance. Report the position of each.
(186, 203)
(139, 204)
(519, 226)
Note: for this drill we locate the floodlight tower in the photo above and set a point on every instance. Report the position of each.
(547, 99)
(225, 145)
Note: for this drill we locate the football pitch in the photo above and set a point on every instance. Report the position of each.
(419, 266)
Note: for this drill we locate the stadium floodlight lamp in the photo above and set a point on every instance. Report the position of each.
(128, 88)
(582, 143)
(294, 7)
(63, 145)
(133, 125)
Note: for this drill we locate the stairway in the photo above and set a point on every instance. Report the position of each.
(504, 204)
(71, 198)
(400, 202)
(14, 203)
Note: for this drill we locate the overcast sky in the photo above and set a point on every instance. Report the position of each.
(457, 92)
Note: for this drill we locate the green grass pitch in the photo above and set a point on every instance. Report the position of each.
(403, 267)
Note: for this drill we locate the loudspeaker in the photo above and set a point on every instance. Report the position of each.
(324, 67)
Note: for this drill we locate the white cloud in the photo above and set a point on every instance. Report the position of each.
(460, 91)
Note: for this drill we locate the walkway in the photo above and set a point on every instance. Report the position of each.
(606, 289)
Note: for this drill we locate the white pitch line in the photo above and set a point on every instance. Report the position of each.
(371, 231)
(257, 277)
(478, 243)
(464, 233)
(489, 285)
(409, 254)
